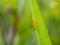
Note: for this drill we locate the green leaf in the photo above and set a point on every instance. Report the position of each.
(41, 31)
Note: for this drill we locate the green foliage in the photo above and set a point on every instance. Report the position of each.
(41, 27)
(47, 21)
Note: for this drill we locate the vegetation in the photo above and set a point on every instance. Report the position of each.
(29, 22)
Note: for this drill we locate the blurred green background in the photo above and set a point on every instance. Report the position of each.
(19, 14)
